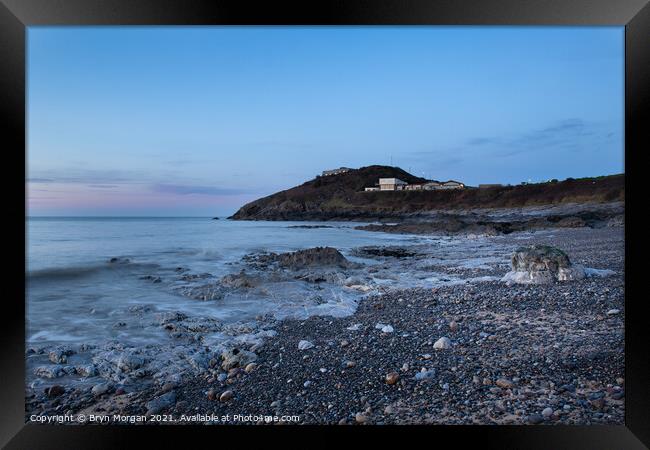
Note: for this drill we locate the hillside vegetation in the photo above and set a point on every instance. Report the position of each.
(341, 197)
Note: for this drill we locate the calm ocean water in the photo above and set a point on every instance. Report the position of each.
(75, 295)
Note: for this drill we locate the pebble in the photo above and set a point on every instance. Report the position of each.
(504, 383)
(442, 343)
(535, 419)
(250, 367)
(392, 378)
(613, 312)
(226, 396)
(547, 412)
(453, 326)
(222, 377)
(100, 389)
(350, 364)
(304, 345)
(361, 418)
(344, 343)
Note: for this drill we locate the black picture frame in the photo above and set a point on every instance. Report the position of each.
(16, 15)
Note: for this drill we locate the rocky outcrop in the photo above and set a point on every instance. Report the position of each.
(313, 257)
(541, 264)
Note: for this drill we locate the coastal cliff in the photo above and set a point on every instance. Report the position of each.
(341, 197)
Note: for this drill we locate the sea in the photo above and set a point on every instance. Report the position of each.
(75, 294)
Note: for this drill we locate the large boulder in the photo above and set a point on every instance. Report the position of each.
(541, 264)
(313, 257)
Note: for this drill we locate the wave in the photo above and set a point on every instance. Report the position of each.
(58, 273)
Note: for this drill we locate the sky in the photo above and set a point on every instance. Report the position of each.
(197, 121)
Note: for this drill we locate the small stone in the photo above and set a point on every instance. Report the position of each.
(392, 378)
(304, 345)
(350, 364)
(307, 383)
(55, 391)
(620, 380)
(613, 312)
(453, 326)
(476, 380)
(212, 394)
(344, 343)
(222, 377)
(442, 343)
(226, 396)
(389, 409)
(100, 389)
(405, 367)
(120, 391)
(547, 412)
(535, 419)
(361, 418)
(504, 383)
(250, 367)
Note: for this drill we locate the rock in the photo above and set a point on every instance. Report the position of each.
(49, 371)
(239, 281)
(226, 396)
(313, 257)
(354, 327)
(120, 391)
(250, 367)
(361, 418)
(349, 364)
(307, 383)
(130, 362)
(344, 343)
(425, 375)
(389, 409)
(547, 412)
(442, 343)
(541, 264)
(392, 378)
(86, 371)
(504, 383)
(304, 345)
(212, 394)
(160, 403)
(453, 326)
(613, 312)
(535, 419)
(237, 358)
(384, 328)
(55, 391)
(101, 389)
(60, 355)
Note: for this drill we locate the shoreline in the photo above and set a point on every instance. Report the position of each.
(550, 346)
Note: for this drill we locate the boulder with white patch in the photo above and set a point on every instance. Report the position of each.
(542, 264)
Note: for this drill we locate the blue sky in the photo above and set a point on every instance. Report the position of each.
(200, 120)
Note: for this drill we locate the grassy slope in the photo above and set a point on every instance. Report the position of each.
(342, 196)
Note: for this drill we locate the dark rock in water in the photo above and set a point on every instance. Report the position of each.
(388, 251)
(54, 391)
(540, 264)
(239, 280)
(152, 278)
(215, 218)
(317, 256)
(311, 226)
(116, 260)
